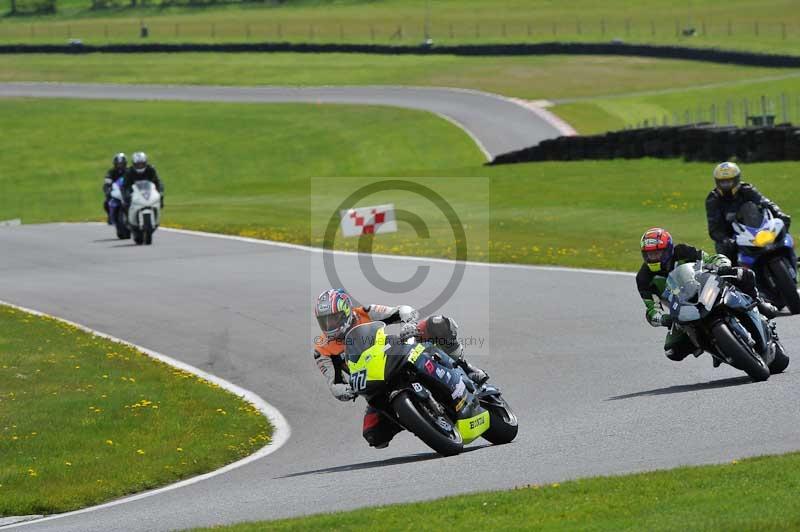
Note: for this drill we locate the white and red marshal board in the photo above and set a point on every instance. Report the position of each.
(369, 220)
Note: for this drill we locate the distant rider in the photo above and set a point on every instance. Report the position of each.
(140, 170)
(336, 315)
(660, 258)
(119, 165)
(723, 203)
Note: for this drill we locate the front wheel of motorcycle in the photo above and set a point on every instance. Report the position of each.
(503, 424)
(781, 361)
(787, 287)
(743, 357)
(423, 423)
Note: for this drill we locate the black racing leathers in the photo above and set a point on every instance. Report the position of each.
(721, 211)
(149, 174)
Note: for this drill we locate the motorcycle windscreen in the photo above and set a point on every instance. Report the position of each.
(144, 185)
(365, 352)
(682, 285)
(362, 338)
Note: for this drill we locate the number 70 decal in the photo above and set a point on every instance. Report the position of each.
(358, 380)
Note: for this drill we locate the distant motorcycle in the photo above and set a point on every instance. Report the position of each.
(117, 212)
(723, 321)
(382, 370)
(766, 247)
(144, 212)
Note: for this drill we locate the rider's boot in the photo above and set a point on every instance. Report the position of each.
(767, 309)
(476, 375)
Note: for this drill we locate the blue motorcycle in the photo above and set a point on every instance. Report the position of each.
(766, 247)
(117, 212)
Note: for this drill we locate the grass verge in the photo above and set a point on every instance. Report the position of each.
(752, 494)
(84, 420)
(771, 25)
(256, 179)
(540, 77)
(727, 100)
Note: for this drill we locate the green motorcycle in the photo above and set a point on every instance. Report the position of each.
(419, 387)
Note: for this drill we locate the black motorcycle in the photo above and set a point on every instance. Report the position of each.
(419, 387)
(724, 321)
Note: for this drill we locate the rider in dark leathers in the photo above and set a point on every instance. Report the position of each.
(660, 258)
(724, 202)
(140, 170)
(117, 170)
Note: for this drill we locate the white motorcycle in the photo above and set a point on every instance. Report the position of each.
(144, 213)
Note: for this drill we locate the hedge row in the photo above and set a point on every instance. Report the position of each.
(640, 50)
(699, 142)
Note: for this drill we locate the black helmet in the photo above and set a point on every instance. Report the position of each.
(120, 160)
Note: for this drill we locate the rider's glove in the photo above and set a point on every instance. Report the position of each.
(342, 392)
(787, 220)
(407, 314)
(728, 270)
(666, 320)
(408, 330)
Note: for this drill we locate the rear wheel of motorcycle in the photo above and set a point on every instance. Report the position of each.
(421, 423)
(744, 358)
(503, 425)
(787, 287)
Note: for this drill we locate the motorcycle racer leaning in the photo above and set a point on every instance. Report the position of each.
(336, 315)
(660, 258)
(724, 202)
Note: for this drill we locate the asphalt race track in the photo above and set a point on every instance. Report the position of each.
(570, 349)
(497, 124)
(592, 389)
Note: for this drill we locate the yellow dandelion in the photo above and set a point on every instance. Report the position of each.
(68, 463)
(32, 473)
(109, 442)
(555, 485)
(179, 449)
(139, 451)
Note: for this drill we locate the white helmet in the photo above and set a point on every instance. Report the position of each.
(139, 160)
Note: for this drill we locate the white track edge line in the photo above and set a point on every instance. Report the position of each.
(311, 249)
(463, 128)
(280, 435)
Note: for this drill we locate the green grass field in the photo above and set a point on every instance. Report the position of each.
(524, 77)
(255, 180)
(594, 94)
(728, 101)
(770, 25)
(84, 420)
(757, 494)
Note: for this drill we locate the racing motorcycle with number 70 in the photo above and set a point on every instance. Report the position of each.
(419, 387)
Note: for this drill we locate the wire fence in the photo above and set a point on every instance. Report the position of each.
(259, 27)
(764, 111)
